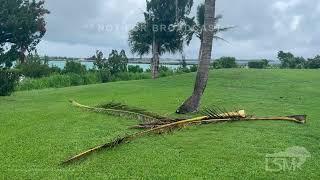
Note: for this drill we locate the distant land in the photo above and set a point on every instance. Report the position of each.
(168, 61)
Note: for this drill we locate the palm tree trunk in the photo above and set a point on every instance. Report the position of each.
(200, 50)
(22, 56)
(155, 61)
(193, 102)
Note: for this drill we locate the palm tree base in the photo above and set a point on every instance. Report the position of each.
(190, 105)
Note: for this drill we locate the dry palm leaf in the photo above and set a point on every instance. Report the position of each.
(118, 109)
(212, 115)
(122, 140)
(159, 129)
(301, 119)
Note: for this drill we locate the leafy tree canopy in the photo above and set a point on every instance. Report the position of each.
(116, 63)
(197, 26)
(99, 61)
(288, 60)
(21, 29)
(164, 22)
(314, 63)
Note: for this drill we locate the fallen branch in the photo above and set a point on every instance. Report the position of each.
(228, 115)
(119, 111)
(160, 126)
(118, 141)
(301, 119)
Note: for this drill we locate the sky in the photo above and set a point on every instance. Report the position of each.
(77, 28)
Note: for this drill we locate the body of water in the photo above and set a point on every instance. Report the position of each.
(90, 65)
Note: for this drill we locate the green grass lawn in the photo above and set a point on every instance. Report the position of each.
(39, 129)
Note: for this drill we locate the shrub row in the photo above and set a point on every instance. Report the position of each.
(258, 64)
(225, 62)
(135, 69)
(72, 79)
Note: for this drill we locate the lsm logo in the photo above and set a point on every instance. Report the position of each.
(291, 159)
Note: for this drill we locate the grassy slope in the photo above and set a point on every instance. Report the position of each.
(39, 128)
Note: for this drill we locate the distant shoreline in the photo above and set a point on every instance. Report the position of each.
(164, 61)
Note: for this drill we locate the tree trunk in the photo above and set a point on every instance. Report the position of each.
(193, 102)
(22, 56)
(200, 50)
(155, 61)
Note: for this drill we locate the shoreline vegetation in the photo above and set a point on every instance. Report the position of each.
(36, 73)
(40, 73)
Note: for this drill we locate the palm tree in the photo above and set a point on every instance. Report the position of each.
(207, 36)
(164, 14)
(198, 26)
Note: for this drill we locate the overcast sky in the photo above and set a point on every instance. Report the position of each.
(79, 27)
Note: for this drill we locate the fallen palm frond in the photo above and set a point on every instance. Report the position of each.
(208, 120)
(301, 119)
(119, 141)
(211, 115)
(124, 107)
(118, 109)
(214, 116)
(156, 129)
(109, 145)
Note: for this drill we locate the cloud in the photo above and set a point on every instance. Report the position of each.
(69, 50)
(78, 28)
(285, 5)
(295, 22)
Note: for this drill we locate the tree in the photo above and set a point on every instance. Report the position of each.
(225, 62)
(314, 63)
(99, 61)
(197, 26)
(34, 67)
(300, 62)
(288, 60)
(192, 103)
(259, 64)
(74, 67)
(161, 30)
(184, 64)
(117, 62)
(21, 29)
